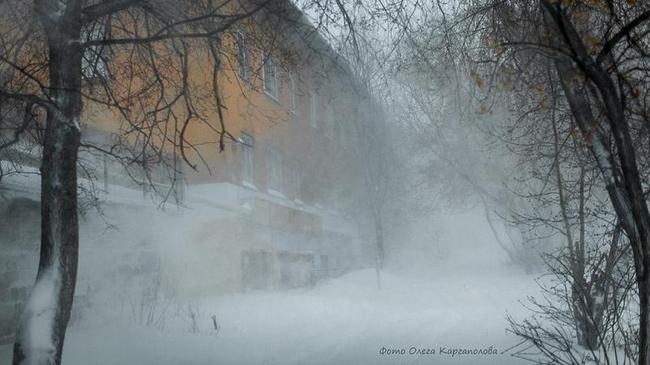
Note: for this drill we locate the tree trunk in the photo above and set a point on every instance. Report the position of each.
(644, 350)
(620, 169)
(622, 188)
(42, 327)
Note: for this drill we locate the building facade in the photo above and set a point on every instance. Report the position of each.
(277, 155)
(263, 195)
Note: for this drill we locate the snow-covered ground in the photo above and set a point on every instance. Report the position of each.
(459, 302)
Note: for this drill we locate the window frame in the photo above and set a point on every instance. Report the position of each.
(297, 180)
(95, 59)
(275, 170)
(313, 109)
(247, 142)
(293, 95)
(243, 56)
(269, 62)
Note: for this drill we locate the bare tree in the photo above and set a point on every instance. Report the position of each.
(598, 53)
(60, 60)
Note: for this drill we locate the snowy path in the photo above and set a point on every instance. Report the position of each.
(344, 321)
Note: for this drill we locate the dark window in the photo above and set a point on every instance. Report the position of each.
(243, 57)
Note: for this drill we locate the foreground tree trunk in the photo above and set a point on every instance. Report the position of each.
(624, 190)
(42, 327)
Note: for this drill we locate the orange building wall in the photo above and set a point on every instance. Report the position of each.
(318, 153)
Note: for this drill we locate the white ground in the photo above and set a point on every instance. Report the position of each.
(459, 301)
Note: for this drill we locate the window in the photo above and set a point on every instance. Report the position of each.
(329, 119)
(313, 109)
(296, 177)
(243, 57)
(270, 77)
(94, 61)
(247, 141)
(275, 170)
(293, 95)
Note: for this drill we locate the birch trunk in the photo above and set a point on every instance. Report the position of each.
(619, 169)
(42, 327)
